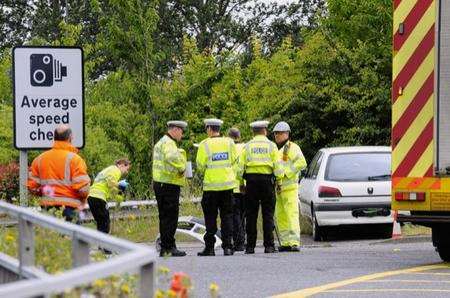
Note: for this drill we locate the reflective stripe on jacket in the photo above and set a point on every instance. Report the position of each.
(293, 161)
(260, 156)
(169, 162)
(216, 161)
(60, 175)
(105, 183)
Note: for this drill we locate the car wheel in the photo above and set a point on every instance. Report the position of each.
(386, 231)
(444, 252)
(316, 229)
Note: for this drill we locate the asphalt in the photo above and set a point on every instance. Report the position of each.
(318, 264)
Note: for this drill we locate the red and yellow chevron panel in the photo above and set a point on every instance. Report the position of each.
(413, 88)
(412, 184)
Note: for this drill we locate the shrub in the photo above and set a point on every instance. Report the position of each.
(9, 181)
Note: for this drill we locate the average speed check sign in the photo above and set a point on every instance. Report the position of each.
(48, 91)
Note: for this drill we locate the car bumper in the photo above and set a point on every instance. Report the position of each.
(343, 214)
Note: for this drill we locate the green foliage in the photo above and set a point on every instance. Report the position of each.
(7, 151)
(5, 79)
(9, 181)
(324, 69)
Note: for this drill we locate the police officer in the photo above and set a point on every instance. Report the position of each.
(169, 164)
(217, 161)
(259, 165)
(286, 209)
(238, 195)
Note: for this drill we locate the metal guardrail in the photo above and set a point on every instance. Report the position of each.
(132, 258)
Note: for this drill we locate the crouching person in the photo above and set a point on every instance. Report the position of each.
(106, 185)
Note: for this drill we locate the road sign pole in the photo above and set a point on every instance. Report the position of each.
(23, 177)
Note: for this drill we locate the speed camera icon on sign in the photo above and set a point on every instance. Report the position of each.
(45, 70)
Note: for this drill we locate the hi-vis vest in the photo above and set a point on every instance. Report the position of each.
(293, 161)
(105, 183)
(217, 161)
(169, 162)
(60, 176)
(260, 156)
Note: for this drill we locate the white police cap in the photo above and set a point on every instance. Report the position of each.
(213, 122)
(177, 123)
(281, 127)
(259, 124)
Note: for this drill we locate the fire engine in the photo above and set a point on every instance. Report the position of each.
(421, 117)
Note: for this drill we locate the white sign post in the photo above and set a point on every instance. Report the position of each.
(48, 91)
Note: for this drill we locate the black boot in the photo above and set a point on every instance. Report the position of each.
(239, 247)
(174, 252)
(228, 252)
(207, 252)
(270, 250)
(284, 248)
(177, 253)
(295, 248)
(249, 250)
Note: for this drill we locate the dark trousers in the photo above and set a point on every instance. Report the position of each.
(214, 202)
(168, 198)
(238, 219)
(68, 213)
(100, 213)
(259, 191)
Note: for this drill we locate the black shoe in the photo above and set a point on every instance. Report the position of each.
(284, 248)
(228, 252)
(239, 248)
(206, 252)
(270, 250)
(177, 253)
(249, 251)
(171, 253)
(295, 248)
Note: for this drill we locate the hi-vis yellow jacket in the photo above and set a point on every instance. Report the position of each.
(105, 183)
(217, 162)
(169, 162)
(293, 161)
(260, 156)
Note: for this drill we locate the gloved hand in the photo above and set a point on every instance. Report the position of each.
(123, 185)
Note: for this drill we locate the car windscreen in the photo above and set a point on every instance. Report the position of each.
(365, 166)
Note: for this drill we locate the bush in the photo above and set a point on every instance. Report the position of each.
(9, 181)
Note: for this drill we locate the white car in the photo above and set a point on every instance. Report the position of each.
(347, 186)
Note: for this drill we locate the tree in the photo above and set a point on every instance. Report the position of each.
(14, 22)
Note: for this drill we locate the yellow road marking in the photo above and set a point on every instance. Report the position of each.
(386, 290)
(323, 288)
(409, 281)
(431, 273)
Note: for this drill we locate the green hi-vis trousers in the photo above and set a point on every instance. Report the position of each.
(287, 217)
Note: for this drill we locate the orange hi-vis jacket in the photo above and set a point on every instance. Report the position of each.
(60, 176)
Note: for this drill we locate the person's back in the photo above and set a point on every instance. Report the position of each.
(105, 182)
(217, 164)
(259, 157)
(107, 186)
(59, 175)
